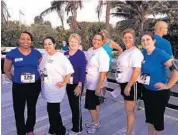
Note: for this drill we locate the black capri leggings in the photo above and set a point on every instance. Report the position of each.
(155, 103)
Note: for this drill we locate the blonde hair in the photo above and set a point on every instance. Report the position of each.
(129, 30)
(104, 32)
(75, 36)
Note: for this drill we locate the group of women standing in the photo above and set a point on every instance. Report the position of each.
(148, 68)
(55, 74)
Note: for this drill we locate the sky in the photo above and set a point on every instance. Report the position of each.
(32, 8)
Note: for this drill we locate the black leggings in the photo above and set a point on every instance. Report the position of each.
(2, 66)
(56, 125)
(25, 94)
(75, 106)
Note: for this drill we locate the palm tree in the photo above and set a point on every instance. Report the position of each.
(4, 12)
(72, 7)
(65, 6)
(55, 6)
(101, 3)
(38, 20)
(135, 13)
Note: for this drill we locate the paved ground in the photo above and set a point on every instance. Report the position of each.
(112, 117)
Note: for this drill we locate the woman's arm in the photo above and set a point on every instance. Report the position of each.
(82, 68)
(114, 45)
(66, 80)
(7, 68)
(100, 83)
(136, 73)
(172, 80)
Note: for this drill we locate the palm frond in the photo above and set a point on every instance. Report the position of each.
(99, 8)
(5, 13)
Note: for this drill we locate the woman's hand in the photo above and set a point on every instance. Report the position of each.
(77, 91)
(161, 86)
(127, 90)
(98, 92)
(60, 84)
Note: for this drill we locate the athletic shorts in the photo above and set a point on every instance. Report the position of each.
(135, 93)
(91, 100)
(2, 66)
(155, 103)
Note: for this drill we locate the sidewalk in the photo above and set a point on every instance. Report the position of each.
(112, 117)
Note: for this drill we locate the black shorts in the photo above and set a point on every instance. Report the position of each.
(91, 100)
(155, 103)
(2, 66)
(135, 93)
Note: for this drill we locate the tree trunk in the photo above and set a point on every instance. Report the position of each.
(74, 18)
(142, 22)
(2, 11)
(74, 22)
(108, 8)
(62, 21)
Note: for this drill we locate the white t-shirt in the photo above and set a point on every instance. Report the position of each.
(97, 61)
(130, 58)
(54, 68)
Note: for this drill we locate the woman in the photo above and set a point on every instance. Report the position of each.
(109, 45)
(74, 87)
(157, 88)
(97, 68)
(26, 82)
(55, 70)
(128, 71)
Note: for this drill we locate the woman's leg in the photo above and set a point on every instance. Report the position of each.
(19, 99)
(95, 114)
(159, 110)
(130, 107)
(75, 105)
(150, 129)
(55, 120)
(157, 132)
(33, 91)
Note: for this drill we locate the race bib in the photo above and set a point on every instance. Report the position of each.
(118, 75)
(44, 78)
(144, 79)
(28, 78)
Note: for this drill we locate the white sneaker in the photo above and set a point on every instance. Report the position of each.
(88, 125)
(74, 133)
(93, 128)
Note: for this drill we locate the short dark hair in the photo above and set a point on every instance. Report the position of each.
(26, 32)
(147, 33)
(51, 38)
(100, 34)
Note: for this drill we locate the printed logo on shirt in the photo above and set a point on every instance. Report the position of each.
(18, 59)
(50, 61)
(144, 79)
